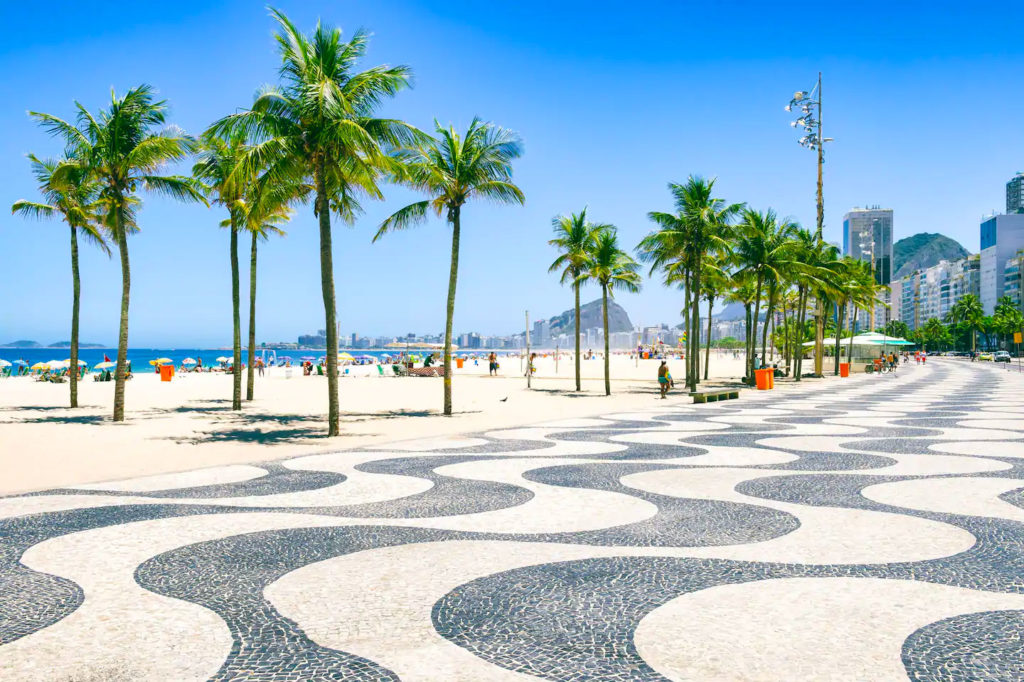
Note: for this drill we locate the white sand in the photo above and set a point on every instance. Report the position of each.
(188, 424)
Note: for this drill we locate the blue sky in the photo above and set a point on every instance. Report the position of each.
(612, 101)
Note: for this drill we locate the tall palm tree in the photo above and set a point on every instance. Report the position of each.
(714, 281)
(699, 226)
(764, 252)
(612, 268)
(969, 311)
(217, 170)
(575, 237)
(264, 219)
(452, 169)
(74, 198)
(319, 127)
(123, 149)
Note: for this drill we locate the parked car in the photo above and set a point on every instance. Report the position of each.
(985, 356)
(1002, 356)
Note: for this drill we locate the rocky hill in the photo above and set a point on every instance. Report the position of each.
(923, 250)
(590, 316)
(23, 343)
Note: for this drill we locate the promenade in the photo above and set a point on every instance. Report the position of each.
(869, 528)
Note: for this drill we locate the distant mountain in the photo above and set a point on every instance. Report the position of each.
(21, 344)
(590, 317)
(923, 250)
(67, 344)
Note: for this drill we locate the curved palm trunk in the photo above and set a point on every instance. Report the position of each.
(746, 342)
(122, 336)
(798, 333)
(819, 335)
(453, 277)
(330, 312)
(840, 314)
(251, 379)
(769, 311)
(75, 299)
(707, 346)
(849, 346)
(607, 347)
(236, 322)
(785, 335)
(576, 292)
(753, 336)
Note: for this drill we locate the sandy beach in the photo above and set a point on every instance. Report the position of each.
(187, 423)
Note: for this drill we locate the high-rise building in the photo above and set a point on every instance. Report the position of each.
(867, 235)
(1002, 236)
(1013, 280)
(932, 292)
(1015, 194)
(541, 335)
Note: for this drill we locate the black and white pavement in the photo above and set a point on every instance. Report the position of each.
(861, 529)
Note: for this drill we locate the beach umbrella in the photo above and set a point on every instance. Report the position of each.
(345, 356)
(188, 361)
(68, 362)
(20, 362)
(161, 361)
(104, 365)
(4, 363)
(41, 365)
(223, 359)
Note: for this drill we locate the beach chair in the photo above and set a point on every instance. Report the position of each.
(380, 370)
(399, 370)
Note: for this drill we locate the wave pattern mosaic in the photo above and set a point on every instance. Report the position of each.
(865, 529)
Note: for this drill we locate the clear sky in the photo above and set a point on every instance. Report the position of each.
(613, 100)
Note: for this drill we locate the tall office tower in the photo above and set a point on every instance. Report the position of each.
(867, 235)
(1002, 236)
(1015, 194)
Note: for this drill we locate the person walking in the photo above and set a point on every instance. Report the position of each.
(664, 379)
(492, 364)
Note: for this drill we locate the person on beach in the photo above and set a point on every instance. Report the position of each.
(492, 364)
(259, 365)
(664, 378)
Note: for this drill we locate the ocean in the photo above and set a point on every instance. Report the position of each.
(140, 357)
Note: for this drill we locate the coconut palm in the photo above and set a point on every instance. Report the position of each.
(217, 170)
(765, 253)
(75, 199)
(575, 238)
(714, 282)
(264, 218)
(319, 127)
(453, 169)
(969, 311)
(699, 226)
(123, 149)
(612, 268)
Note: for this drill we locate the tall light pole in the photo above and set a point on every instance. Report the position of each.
(808, 104)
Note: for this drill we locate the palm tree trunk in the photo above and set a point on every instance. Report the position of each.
(769, 310)
(785, 335)
(453, 277)
(746, 342)
(607, 347)
(236, 322)
(801, 317)
(840, 314)
(687, 286)
(849, 346)
(819, 335)
(122, 336)
(576, 293)
(75, 299)
(753, 339)
(695, 324)
(330, 312)
(251, 379)
(707, 346)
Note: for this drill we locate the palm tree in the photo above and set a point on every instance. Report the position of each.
(933, 331)
(75, 199)
(969, 311)
(453, 169)
(699, 227)
(714, 281)
(612, 268)
(764, 253)
(575, 237)
(319, 127)
(123, 149)
(267, 212)
(217, 170)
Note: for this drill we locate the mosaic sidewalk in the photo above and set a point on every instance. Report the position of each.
(866, 529)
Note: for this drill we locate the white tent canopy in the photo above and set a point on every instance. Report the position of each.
(869, 339)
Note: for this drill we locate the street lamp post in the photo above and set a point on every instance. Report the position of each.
(808, 105)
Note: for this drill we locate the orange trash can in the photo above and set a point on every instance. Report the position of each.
(166, 372)
(762, 378)
(459, 362)
(844, 369)
(771, 378)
